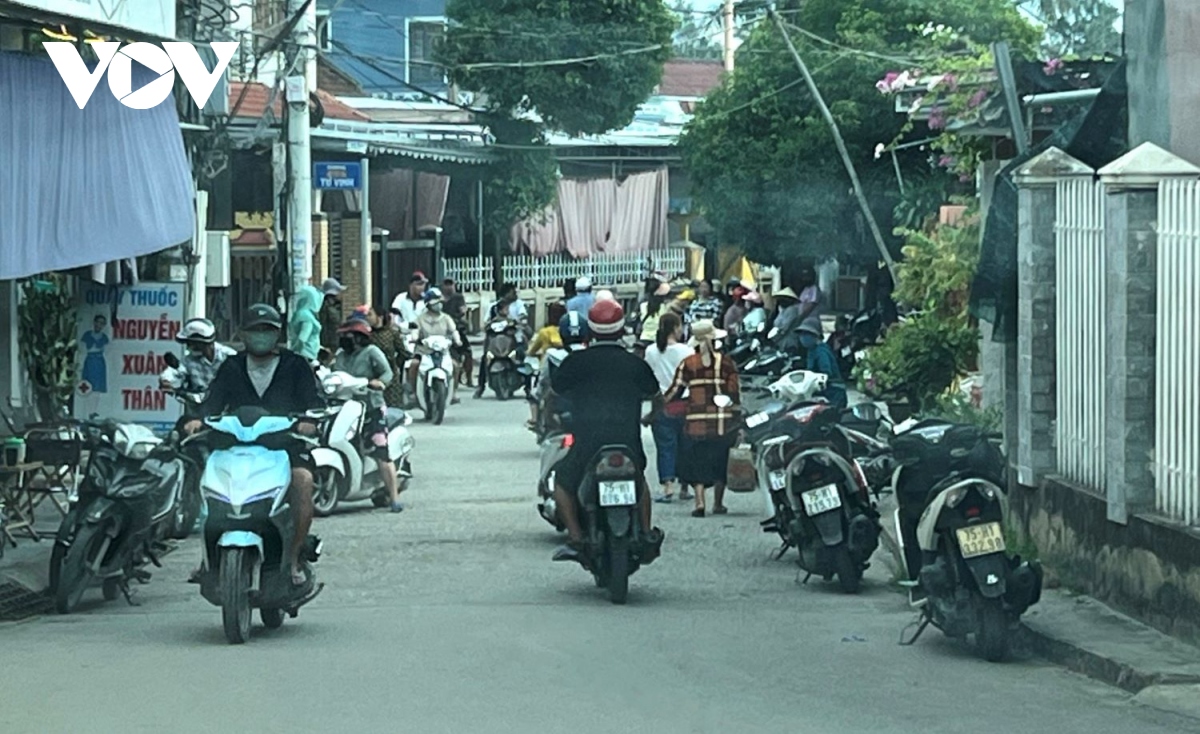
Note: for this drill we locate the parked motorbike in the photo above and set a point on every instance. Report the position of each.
(504, 373)
(125, 504)
(345, 472)
(608, 505)
(820, 498)
(966, 584)
(250, 526)
(434, 374)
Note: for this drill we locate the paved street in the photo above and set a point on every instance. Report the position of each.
(451, 618)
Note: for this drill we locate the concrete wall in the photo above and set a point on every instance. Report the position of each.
(1149, 568)
(1164, 74)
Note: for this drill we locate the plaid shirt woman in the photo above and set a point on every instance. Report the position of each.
(708, 428)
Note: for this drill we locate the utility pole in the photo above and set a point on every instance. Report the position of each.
(728, 20)
(841, 144)
(300, 208)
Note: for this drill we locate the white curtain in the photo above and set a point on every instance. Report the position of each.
(79, 187)
(599, 215)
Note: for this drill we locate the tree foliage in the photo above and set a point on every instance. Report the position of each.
(583, 66)
(1078, 28)
(763, 163)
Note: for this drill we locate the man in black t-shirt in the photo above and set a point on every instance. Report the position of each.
(606, 387)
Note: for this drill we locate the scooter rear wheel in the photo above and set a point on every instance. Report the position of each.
(618, 575)
(849, 572)
(991, 636)
(272, 618)
(327, 493)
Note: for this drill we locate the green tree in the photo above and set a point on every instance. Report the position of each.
(1078, 28)
(763, 163)
(583, 66)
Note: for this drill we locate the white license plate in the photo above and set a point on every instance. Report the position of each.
(778, 479)
(756, 420)
(821, 499)
(980, 540)
(617, 494)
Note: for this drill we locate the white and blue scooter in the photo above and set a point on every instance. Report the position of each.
(250, 525)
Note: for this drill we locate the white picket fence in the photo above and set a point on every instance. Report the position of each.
(1080, 305)
(1177, 358)
(475, 274)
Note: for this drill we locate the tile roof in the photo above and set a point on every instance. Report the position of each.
(690, 77)
(254, 104)
(335, 80)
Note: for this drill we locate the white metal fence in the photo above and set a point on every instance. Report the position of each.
(1080, 305)
(1177, 358)
(474, 274)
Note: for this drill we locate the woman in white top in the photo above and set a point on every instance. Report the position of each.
(664, 357)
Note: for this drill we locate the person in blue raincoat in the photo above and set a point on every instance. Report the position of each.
(304, 325)
(95, 368)
(822, 359)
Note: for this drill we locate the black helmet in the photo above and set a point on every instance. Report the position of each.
(260, 314)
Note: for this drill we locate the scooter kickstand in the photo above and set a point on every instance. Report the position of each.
(783, 549)
(921, 623)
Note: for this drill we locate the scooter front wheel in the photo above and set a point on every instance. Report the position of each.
(234, 584)
(437, 402)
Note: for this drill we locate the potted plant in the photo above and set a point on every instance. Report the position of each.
(47, 331)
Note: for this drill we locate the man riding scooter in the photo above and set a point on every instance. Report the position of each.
(433, 321)
(606, 387)
(281, 383)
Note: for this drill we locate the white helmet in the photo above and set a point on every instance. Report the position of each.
(197, 330)
(584, 284)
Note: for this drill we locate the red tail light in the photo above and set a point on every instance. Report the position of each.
(568, 440)
(616, 461)
(973, 512)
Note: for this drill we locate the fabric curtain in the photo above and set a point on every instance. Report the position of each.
(79, 187)
(600, 215)
(640, 216)
(539, 236)
(392, 201)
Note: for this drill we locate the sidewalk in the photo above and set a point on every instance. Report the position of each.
(1087, 637)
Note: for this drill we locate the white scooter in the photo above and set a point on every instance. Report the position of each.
(435, 372)
(344, 472)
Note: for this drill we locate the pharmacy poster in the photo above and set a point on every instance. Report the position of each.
(123, 334)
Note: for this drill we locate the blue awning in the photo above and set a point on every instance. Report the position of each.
(79, 187)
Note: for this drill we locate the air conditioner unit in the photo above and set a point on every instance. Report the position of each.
(218, 260)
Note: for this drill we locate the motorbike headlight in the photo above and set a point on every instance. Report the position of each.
(264, 495)
(139, 451)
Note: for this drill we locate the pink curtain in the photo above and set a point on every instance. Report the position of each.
(600, 215)
(640, 216)
(539, 236)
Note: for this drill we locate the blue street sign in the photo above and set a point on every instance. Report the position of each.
(337, 176)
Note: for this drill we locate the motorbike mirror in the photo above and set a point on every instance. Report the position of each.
(171, 360)
(722, 401)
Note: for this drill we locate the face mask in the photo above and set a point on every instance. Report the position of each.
(436, 307)
(195, 350)
(347, 343)
(261, 343)
(808, 341)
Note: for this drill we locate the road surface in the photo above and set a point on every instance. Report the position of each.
(451, 618)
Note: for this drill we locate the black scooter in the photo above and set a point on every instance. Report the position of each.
(951, 525)
(126, 505)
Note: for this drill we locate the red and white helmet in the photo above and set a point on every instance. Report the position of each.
(606, 318)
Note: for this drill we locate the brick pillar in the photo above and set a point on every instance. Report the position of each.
(1131, 186)
(352, 270)
(1037, 181)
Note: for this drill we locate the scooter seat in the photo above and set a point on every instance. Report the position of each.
(395, 418)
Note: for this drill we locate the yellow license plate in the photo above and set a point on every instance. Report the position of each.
(980, 540)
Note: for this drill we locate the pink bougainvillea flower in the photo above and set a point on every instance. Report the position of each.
(937, 119)
(951, 82)
(977, 98)
(946, 161)
(964, 178)
(885, 85)
(1053, 66)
